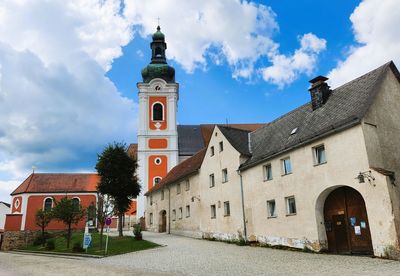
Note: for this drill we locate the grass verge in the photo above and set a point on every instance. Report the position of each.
(116, 245)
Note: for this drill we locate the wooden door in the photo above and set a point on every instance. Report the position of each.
(164, 222)
(340, 232)
(346, 222)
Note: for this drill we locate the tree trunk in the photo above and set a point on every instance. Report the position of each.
(101, 236)
(120, 214)
(69, 235)
(43, 240)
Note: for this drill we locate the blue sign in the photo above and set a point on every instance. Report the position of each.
(87, 240)
(353, 221)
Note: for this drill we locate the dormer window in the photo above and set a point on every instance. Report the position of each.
(294, 131)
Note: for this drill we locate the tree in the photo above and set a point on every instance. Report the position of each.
(42, 219)
(118, 178)
(103, 211)
(69, 212)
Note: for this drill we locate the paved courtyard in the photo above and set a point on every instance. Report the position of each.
(185, 256)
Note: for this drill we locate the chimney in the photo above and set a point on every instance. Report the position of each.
(319, 91)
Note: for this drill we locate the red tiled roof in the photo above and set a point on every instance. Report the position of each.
(58, 183)
(181, 170)
(132, 208)
(132, 150)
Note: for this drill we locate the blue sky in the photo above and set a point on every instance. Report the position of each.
(242, 100)
(68, 69)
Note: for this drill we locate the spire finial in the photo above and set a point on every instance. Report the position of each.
(158, 23)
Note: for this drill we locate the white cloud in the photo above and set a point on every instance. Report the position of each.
(235, 32)
(57, 106)
(239, 30)
(376, 31)
(285, 69)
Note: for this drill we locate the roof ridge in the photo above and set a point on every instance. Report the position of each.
(234, 128)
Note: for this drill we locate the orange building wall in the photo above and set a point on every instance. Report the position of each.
(163, 123)
(158, 143)
(13, 222)
(157, 170)
(36, 202)
(16, 210)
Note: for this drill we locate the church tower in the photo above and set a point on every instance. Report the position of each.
(157, 131)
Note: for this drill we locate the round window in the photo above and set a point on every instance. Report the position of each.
(157, 161)
(16, 203)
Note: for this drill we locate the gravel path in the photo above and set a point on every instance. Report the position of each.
(184, 256)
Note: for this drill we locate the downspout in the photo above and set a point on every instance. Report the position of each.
(169, 211)
(243, 212)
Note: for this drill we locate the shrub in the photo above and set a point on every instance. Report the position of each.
(137, 231)
(77, 247)
(50, 245)
(39, 240)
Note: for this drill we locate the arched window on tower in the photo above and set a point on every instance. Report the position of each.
(158, 112)
(48, 204)
(158, 52)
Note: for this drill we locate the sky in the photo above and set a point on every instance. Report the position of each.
(68, 69)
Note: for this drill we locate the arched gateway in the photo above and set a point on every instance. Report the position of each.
(163, 221)
(346, 222)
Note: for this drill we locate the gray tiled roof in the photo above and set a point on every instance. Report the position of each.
(238, 138)
(190, 139)
(345, 107)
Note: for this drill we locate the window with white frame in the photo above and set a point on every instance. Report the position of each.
(158, 112)
(224, 175)
(221, 146)
(180, 213)
(76, 202)
(187, 211)
(174, 215)
(212, 151)
(267, 172)
(151, 218)
(271, 208)
(162, 194)
(291, 205)
(227, 209)
(178, 188)
(213, 211)
(212, 180)
(187, 185)
(319, 155)
(48, 204)
(156, 180)
(286, 166)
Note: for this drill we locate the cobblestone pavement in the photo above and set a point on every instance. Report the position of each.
(185, 256)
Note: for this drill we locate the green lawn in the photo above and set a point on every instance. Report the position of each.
(116, 245)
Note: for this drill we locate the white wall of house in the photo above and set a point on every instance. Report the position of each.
(4, 210)
(373, 143)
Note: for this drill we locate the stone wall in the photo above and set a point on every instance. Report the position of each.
(18, 239)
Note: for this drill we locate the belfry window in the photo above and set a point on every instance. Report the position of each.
(158, 52)
(158, 112)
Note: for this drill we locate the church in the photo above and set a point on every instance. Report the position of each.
(322, 177)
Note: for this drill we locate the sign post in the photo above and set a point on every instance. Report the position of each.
(87, 238)
(108, 223)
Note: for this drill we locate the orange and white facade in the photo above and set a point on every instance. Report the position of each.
(41, 190)
(157, 134)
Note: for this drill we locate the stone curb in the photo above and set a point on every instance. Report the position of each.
(32, 252)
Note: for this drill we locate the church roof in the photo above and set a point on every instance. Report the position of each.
(182, 170)
(345, 108)
(58, 183)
